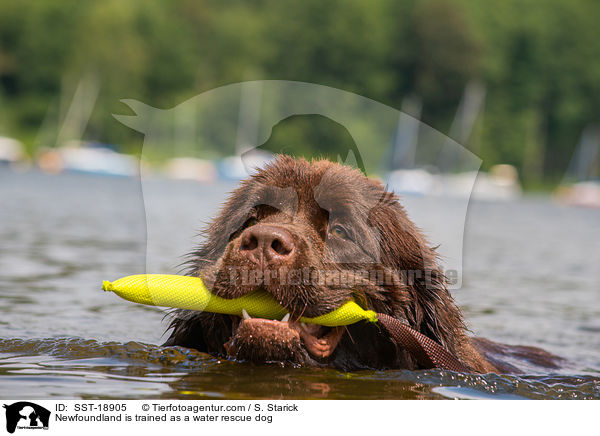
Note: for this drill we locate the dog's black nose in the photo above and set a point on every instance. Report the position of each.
(267, 245)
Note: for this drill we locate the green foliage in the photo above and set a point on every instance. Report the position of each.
(539, 61)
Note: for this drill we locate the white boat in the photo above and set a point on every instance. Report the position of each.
(500, 184)
(189, 168)
(88, 158)
(417, 182)
(447, 174)
(582, 194)
(240, 167)
(11, 150)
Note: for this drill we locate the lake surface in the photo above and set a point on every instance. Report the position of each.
(531, 276)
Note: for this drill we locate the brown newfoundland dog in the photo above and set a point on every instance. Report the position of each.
(314, 235)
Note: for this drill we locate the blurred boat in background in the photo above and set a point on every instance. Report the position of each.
(581, 185)
(11, 151)
(66, 151)
(446, 172)
(240, 167)
(88, 157)
(416, 181)
(189, 168)
(583, 194)
(500, 183)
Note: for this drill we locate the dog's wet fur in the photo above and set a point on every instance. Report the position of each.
(314, 235)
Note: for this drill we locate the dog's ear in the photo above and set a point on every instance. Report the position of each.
(429, 307)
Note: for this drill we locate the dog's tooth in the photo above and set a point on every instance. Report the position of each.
(304, 326)
(286, 318)
(245, 314)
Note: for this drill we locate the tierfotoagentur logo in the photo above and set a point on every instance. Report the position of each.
(25, 415)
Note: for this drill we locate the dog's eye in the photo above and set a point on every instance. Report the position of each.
(250, 222)
(339, 231)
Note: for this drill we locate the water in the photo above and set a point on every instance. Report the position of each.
(531, 277)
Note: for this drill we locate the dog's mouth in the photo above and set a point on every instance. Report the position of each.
(260, 339)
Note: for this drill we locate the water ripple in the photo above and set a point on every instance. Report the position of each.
(93, 369)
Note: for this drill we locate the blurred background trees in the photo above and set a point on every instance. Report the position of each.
(539, 61)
